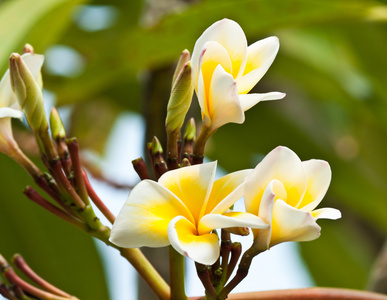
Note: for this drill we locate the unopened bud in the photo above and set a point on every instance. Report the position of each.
(184, 58)
(180, 100)
(57, 129)
(190, 131)
(28, 92)
(28, 49)
(156, 146)
(185, 163)
(243, 231)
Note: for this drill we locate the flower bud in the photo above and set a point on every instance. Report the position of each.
(184, 58)
(57, 129)
(28, 49)
(28, 92)
(190, 131)
(156, 146)
(180, 100)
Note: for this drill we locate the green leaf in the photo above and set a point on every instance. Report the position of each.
(39, 23)
(58, 252)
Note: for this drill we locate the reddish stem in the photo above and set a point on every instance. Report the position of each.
(16, 280)
(97, 201)
(20, 263)
(306, 294)
(73, 147)
(140, 168)
(35, 197)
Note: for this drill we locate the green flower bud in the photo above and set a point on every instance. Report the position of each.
(190, 130)
(156, 146)
(180, 100)
(57, 129)
(184, 58)
(28, 92)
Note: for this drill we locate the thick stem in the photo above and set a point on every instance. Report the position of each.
(47, 144)
(176, 271)
(307, 294)
(172, 151)
(198, 151)
(147, 272)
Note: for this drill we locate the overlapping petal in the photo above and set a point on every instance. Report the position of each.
(184, 238)
(260, 56)
(282, 164)
(191, 185)
(145, 216)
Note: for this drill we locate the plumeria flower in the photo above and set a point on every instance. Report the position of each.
(182, 209)
(284, 192)
(224, 70)
(9, 106)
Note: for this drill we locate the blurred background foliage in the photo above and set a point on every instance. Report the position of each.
(105, 57)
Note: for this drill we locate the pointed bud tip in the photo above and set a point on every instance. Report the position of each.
(28, 49)
(156, 146)
(57, 128)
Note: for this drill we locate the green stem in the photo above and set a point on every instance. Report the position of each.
(198, 151)
(17, 155)
(47, 143)
(147, 272)
(176, 272)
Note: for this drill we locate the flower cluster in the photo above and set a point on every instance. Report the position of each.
(186, 205)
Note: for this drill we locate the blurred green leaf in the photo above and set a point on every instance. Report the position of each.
(39, 23)
(58, 252)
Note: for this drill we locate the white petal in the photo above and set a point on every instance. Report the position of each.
(192, 185)
(249, 100)
(230, 219)
(260, 56)
(319, 174)
(224, 100)
(326, 213)
(10, 112)
(222, 188)
(274, 190)
(183, 237)
(281, 164)
(291, 224)
(231, 36)
(145, 216)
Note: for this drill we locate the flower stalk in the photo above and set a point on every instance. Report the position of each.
(176, 271)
